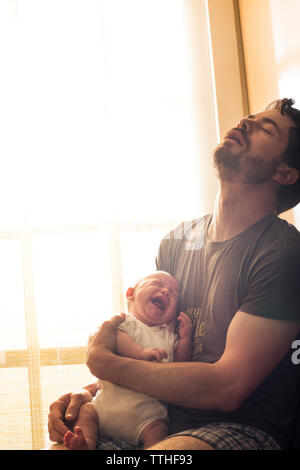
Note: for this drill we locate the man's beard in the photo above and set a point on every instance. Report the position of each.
(246, 168)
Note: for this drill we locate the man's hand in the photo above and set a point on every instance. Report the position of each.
(64, 411)
(101, 345)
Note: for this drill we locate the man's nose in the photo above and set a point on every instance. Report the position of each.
(246, 124)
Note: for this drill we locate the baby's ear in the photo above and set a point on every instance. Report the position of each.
(129, 292)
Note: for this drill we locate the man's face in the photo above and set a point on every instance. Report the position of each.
(155, 298)
(251, 152)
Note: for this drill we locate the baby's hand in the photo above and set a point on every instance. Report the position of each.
(185, 326)
(154, 354)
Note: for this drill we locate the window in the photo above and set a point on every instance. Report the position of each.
(100, 156)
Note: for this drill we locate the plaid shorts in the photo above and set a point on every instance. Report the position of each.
(220, 436)
(232, 436)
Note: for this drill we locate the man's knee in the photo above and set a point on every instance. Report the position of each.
(181, 443)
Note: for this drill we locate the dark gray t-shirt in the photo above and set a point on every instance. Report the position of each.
(257, 272)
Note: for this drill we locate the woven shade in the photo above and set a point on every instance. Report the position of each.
(100, 157)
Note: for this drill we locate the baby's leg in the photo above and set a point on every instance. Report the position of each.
(154, 432)
(84, 436)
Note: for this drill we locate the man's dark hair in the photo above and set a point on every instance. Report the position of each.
(288, 196)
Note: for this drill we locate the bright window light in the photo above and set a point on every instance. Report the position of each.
(100, 132)
(107, 126)
(97, 111)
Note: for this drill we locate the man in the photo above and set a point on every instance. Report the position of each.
(239, 272)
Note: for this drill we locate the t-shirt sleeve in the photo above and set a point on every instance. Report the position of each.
(171, 245)
(274, 283)
(167, 252)
(162, 260)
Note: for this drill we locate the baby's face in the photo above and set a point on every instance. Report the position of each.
(155, 298)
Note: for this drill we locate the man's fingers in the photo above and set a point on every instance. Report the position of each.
(74, 406)
(117, 319)
(57, 428)
(107, 326)
(57, 436)
(105, 335)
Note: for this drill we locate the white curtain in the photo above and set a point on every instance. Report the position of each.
(107, 127)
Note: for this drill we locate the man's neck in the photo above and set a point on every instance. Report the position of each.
(237, 207)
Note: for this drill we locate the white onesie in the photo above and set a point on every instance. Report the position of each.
(124, 413)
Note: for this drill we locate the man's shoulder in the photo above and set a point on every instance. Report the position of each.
(278, 245)
(284, 235)
(286, 227)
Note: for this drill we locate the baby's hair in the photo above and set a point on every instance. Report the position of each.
(140, 280)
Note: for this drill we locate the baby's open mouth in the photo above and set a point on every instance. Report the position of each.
(159, 302)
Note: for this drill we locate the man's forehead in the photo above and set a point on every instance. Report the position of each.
(283, 121)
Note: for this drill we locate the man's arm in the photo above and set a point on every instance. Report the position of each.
(254, 347)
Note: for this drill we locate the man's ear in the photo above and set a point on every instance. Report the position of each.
(130, 292)
(285, 174)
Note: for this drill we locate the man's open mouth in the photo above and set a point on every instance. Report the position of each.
(159, 302)
(237, 136)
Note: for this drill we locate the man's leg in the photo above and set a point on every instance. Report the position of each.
(219, 436)
(181, 443)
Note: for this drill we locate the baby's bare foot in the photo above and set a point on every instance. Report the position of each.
(75, 440)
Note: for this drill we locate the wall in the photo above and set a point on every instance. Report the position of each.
(231, 102)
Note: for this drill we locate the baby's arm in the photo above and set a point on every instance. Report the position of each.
(183, 352)
(125, 346)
